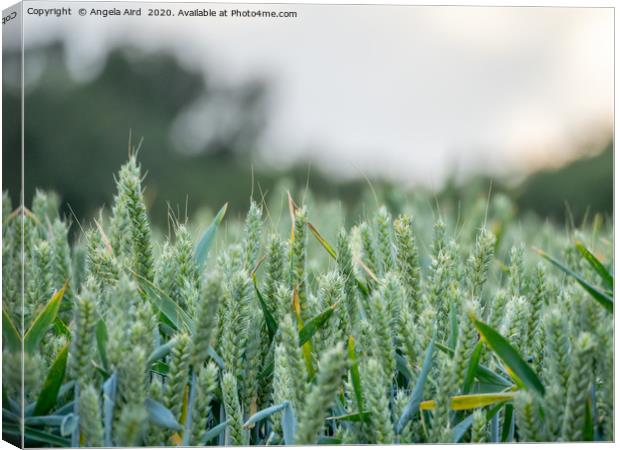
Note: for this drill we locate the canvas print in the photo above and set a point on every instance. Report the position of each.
(296, 224)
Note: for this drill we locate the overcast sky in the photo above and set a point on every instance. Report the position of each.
(409, 92)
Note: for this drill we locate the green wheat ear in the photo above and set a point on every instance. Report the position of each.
(479, 432)
(440, 423)
(438, 293)
(283, 387)
(528, 417)
(206, 385)
(381, 429)
(82, 341)
(274, 274)
(345, 269)
(132, 376)
(237, 297)
(155, 435)
(178, 375)
(131, 425)
(467, 337)
(332, 367)
(408, 262)
(235, 432)
(206, 317)
(294, 362)
(330, 293)
(90, 417)
(297, 258)
(383, 223)
(186, 280)
(130, 196)
(252, 236)
(579, 383)
(381, 325)
(369, 249)
(480, 261)
(535, 334)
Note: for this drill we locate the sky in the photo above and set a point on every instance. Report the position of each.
(412, 93)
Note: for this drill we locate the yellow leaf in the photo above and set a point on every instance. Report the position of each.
(185, 404)
(472, 401)
(322, 240)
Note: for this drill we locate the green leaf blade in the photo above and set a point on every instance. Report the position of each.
(605, 300)
(313, 325)
(43, 321)
(418, 391)
(264, 413)
(53, 381)
(597, 265)
(510, 357)
(204, 244)
(272, 325)
(10, 335)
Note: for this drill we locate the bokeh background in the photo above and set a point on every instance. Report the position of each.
(447, 100)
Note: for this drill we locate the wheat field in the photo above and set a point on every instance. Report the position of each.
(303, 323)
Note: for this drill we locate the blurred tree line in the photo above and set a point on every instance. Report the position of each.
(76, 138)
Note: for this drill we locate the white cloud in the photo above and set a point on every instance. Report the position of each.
(403, 91)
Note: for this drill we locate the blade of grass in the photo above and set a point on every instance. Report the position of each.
(353, 417)
(597, 265)
(109, 399)
(205, 242)
(322, 241)
(588, 425)
(168, 307)
(264, 413)
(272, 325)
(483, 373)
(161, 351)
(605, 300)
(50, 421)
(355, 374)
(61, 327)
(471, 401)
(416, 398)
(306, 348)
(328, 440)
(500, 345)
(214, 432)
(508, 426)
(472, 368)
(190, 409)
(289, 424)
(401, 365)
(44, 320)
(101, 336)
(33, 434)
(461, 428)
(160, 368)
(69, 424)
(53, 381)
(314, 324)
(10, 335)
